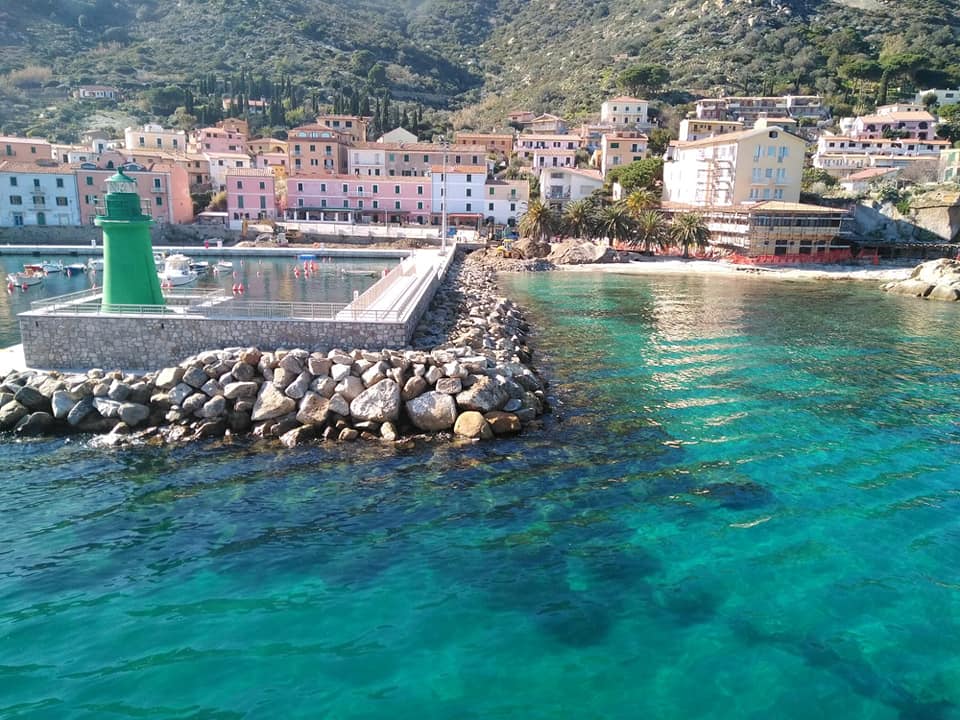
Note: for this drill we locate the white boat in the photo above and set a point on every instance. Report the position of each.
(200, 267)
(159, 259)
(25, 278)
(176, 271)
(44, 267)
(75, 268)
(224, 265)
(95, 264)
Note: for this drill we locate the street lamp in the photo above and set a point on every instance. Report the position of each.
(443, 198)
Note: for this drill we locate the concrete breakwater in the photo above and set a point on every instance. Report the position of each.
(468, 372)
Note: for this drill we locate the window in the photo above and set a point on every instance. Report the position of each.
(239, 201)
(263, 185)
(360, 204)
(778, 194)
(142, 141)
(16, 200)
(300, 187)
(469, 178)
(771, 150)
(159, 142)
(419, 189)
(513, 207)
(376, 189)
(396, 189)
(18, 219)
(13, 182)
(766, 193)
(614, 145)
(469, 192)
(769, 173)
(391, 157)
(346, 203)
(420, 205)
(359, 189)
(344, 186)
(490, 207)
(239, 184)
(492, 191)
(313, 148)
(323, 187)
(406, 158)
(323, 203)
(469, 207)
(376, 204)
(59, 182)
(160, 201)
(456, 160)
(62, 201)
(426, 158)
(36, 183)
(396, 205)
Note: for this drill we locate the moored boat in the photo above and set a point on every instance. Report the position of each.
(25, 278)
(95, 264)
(75, 268)
(177, 271)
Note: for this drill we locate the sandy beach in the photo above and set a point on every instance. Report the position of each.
(673, 265)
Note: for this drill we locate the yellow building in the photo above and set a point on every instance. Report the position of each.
(741, 167)
(621, 148)
(499, 143)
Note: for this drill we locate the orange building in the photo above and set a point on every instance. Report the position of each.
(317, 149)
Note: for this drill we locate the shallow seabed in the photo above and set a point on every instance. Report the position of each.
(746, 507)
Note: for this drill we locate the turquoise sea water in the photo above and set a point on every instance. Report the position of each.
(746, 508)
(263, 279)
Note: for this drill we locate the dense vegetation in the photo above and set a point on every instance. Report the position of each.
(480, 58)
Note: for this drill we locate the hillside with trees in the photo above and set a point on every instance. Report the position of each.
(477, 58)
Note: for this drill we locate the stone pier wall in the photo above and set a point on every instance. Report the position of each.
(146, 343)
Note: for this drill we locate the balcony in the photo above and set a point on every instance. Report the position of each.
(558, 195)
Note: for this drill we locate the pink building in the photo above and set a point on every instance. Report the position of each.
(251, 195)
(164, 187)
(25, 149)
(348, 198)
(896, 123)
(220, 140)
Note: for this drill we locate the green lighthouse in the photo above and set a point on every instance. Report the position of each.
(129, 270)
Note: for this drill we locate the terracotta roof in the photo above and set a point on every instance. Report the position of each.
(414, 147)
(50, 167)
(26, 140)
(626, 98)
(592, 174)
(869, 173)
(922, 116)
(727, 138)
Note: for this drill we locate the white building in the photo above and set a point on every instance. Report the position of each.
(460, 193)
(944, 97)
(38, 193)
(560, 186)
(505, 200)
(624, 110)
(155, 137)
(840, 155)
(220, 162)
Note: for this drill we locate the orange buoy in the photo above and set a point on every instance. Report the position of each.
(23, 287)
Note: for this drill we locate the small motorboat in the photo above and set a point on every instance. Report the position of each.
(43, 267)
(95, 264)
(177, 271)
(27, 277)
(224, 265)
(200, 267)
(75, 268)
(359, 273)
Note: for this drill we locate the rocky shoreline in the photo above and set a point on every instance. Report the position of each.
(935, 280)
(468, 373)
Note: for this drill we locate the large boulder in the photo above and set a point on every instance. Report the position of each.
(169, 378)
(531, 249)
(38, 423)
(581, 252)
(235, 390)
(79, 412)
(133, 413)
(314, 409)
(12, 413)
(271, 403)
(380, 402)
(62, 403)
(432, 411)
(472, 424)
(483, 396)
(32, 399)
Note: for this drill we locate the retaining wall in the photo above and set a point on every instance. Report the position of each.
(146, 343)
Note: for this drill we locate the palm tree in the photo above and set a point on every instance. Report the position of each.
(538, 222)
(689, 229)
(651, 231)
(640, 201)
(579, 219)
(616, 224)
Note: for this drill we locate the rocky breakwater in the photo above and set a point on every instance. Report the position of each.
(468, 374)
(935, 279)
